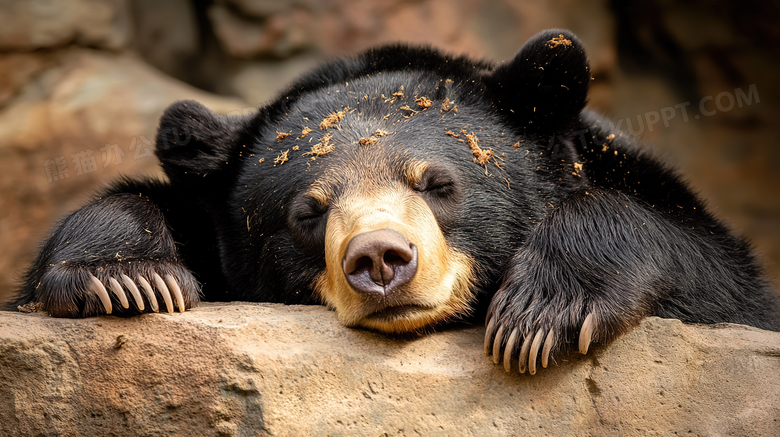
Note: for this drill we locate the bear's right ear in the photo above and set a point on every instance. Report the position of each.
(544, 87)
(194, 142)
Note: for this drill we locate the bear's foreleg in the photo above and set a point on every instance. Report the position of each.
(599, 263)
(115, 255)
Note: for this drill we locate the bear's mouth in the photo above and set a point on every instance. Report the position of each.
(398, 311)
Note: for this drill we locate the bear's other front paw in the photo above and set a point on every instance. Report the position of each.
(533, 327)
(124, 288)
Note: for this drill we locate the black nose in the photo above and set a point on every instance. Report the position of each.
(379, 261)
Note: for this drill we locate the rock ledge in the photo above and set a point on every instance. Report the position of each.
(265, 369)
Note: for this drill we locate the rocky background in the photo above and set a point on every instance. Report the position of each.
(82, 83)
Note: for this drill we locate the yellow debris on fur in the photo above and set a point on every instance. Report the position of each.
(448, 106)
(322, 148)
(559, 41)
(423, 102)
(282, 158)
(481, 156)
(333, 118)
(368, 141)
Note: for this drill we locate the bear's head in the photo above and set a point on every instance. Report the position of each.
(380, 185)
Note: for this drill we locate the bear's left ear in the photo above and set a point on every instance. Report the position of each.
(544, 87)
(194, 144)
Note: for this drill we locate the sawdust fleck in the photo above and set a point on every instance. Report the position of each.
(448, 106)
(322, 148)
(516, 145)
(333, 118)
(280, 136)
(306, 131)
(451, 133)
(481, 156)
(407, 108)
(262, 160)
(282, 158)
(368, 141)
(609, 139)
(559, 41)
(400, 93)
(380, 133)
(423, 102)
(577, 169)
(495, 161)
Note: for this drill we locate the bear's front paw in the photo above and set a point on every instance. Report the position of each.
(532, 327)
(126, 288)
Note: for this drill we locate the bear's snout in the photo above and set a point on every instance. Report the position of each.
(379, 261)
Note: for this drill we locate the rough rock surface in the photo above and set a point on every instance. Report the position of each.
(265, 369)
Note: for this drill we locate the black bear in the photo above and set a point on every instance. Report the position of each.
(405, 188)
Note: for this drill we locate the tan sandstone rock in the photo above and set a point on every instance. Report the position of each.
(266, 369)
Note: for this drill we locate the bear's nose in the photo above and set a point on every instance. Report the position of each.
(379, 261)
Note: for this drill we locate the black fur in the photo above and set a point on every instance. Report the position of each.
(622, 237)
(133, 227)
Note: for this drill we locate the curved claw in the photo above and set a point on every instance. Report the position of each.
(524, 354)
(548, 344)
(489, 335)
(158, 281)
(586, 333)
(176, 291)
(509, 350)
(117, 289)
(497, 344)
(534, 352)
(149, 293)
(139, 300)
(101, 292)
